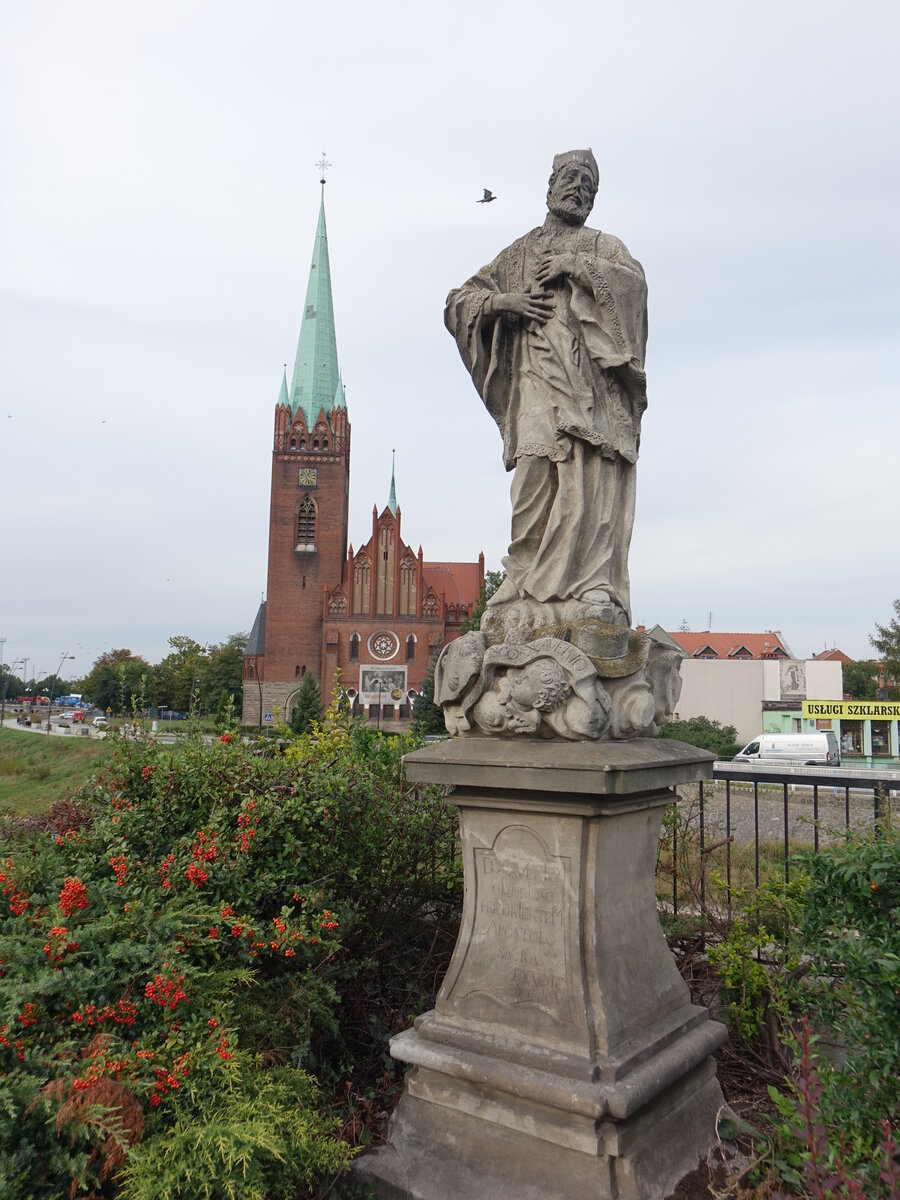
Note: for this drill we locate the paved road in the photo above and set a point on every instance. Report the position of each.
(56, 730)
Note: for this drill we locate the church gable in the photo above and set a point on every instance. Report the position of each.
(384, 566)
(337, 603)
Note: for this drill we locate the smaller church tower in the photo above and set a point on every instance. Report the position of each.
(309, 509)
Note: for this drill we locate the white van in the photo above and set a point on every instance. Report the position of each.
(810, 749)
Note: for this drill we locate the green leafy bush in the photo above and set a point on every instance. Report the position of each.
(705, 733)
(849, 934)
(184, 949)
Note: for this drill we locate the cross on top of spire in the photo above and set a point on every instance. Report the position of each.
(323, 164)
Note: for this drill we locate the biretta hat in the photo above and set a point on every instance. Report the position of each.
(585, 157)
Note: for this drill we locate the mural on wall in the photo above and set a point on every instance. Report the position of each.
(793, 679)
(385, 685)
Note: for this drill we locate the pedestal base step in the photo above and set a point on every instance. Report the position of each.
(438, 1153)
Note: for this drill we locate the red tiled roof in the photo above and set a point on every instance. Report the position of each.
(833, 655)
(731, 645)
(459, 581)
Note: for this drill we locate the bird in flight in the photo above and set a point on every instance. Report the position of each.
(487, 198)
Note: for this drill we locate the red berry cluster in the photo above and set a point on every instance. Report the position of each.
(119, 864)
(25, 1018)
(205, 848)
(328, 922)
(196, 874)
(73, 895)
(16, 1044)
(55, 947)
(168, 993)
(247, 824)
(163, 870)
(122, 1013)
(18, 901)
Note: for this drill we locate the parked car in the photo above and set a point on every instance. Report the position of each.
(169, 714)
(100, 722)
(78, 716)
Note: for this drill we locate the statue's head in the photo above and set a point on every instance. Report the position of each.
(573, 186)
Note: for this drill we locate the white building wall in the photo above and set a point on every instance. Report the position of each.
(824, 680)
(732, 691)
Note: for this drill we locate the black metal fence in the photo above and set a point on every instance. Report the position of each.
(861, 791)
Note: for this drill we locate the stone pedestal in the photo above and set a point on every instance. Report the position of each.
(563, 1057)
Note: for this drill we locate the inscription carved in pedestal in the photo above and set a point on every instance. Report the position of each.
(518, 952)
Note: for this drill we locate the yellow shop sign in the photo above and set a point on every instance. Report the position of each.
(866, 710)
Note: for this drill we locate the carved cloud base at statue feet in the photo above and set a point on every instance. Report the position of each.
(570, 669)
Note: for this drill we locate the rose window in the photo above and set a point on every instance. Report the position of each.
(383, 645)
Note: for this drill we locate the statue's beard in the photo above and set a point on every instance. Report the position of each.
(568, 210)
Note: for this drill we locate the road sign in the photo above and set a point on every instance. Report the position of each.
(268, 717)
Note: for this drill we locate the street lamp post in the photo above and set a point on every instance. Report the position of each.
(53, 682)
(200, 653)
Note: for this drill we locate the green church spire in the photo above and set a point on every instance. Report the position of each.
(283, 393)
(316, 382)
(392, 498)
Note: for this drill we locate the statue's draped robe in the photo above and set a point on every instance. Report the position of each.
(567, 396)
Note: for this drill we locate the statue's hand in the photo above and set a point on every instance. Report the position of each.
(534, 306)
(555, 265)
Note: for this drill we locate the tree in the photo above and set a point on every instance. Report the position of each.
(886, 641)
(222, 672)
(492, 581)
(428, 717)
(309, 705)
(860, 679)
(176, 675)
(11, 685)
(104, 685)
(705, 733)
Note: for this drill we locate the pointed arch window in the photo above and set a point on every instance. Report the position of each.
(306, 525)
(411, 648)
(354, 647)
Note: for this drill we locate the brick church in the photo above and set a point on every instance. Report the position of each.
(378, 613)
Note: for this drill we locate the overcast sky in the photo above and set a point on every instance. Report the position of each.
(158, 203)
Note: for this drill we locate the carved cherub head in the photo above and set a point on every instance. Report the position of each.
(541, 686)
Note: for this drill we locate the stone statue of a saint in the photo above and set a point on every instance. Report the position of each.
(553, 333)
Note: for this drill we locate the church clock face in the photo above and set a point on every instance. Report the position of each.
(308, 476)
